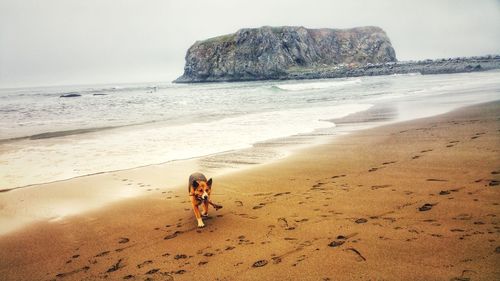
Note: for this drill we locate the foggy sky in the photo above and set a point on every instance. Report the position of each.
(64, 42)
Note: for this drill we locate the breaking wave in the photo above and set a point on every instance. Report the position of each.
(316, 85)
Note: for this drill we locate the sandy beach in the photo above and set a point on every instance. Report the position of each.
(416, 200)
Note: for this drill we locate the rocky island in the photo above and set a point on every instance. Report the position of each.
(288, 52)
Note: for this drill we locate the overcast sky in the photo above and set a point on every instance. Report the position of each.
(61, 42)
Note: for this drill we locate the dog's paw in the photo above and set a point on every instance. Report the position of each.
(200, 223)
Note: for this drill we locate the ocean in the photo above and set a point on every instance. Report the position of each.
(46, 138)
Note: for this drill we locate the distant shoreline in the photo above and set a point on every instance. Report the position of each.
(424, 67)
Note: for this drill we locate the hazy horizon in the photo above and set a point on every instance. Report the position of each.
(66, 42)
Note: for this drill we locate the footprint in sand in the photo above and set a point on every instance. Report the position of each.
(282, 193)
(153, 271)
(339, 241)
(144, 263)
(435, 180)
(276, 260)
(259, 206)
(102, 254)
(283, 222)
(246, 216)
(123, 240)
(260, 263)
(477, 135)
(425, 207)
(173, 235)
(299, 259)
(243, 241)
(361, 220)
(180, 256)
(374, 187)
(116, 266)
(85, 268)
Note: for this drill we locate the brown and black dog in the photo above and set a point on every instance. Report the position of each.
(199, 193)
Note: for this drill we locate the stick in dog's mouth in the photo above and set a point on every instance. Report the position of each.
(216, 206)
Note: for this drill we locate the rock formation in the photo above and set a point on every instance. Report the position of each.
(274, 52)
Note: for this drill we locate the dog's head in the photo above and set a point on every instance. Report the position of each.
(202, 189)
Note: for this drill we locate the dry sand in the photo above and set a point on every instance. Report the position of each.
(417, 200)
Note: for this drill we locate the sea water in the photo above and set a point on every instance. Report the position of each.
(45, 137)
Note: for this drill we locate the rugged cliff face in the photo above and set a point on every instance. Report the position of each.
(272, 52)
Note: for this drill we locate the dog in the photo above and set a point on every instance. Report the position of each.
(199, 193)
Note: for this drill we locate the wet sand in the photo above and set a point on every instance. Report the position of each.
(417, 200)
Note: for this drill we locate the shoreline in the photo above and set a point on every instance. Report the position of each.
(83, 193)
(46, 198)
(131, 147)
(289, 211)
(159, 144)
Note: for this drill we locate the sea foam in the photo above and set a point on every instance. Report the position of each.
(316, 85)
(76, 155)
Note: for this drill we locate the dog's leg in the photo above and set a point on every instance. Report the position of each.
(205, 209)
(197, 212)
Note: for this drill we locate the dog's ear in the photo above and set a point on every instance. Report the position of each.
(209, 182)
(195, 184)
